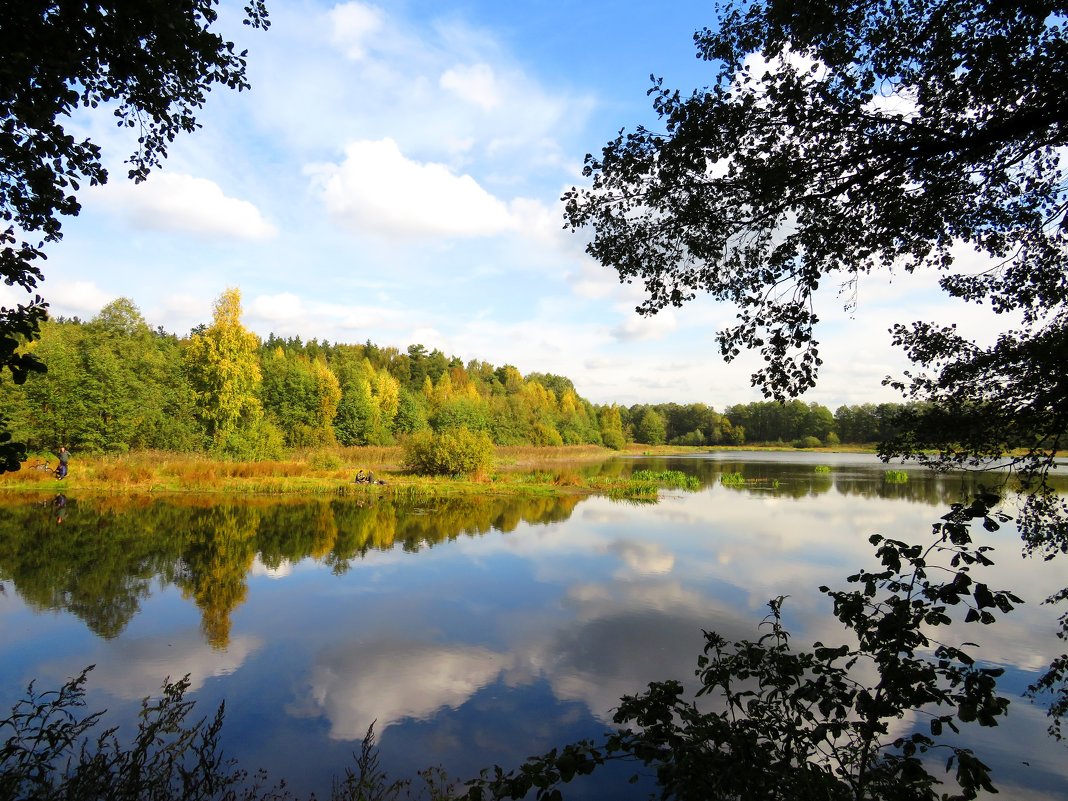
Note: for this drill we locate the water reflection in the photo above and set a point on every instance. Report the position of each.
(100, 566)
(474, 629)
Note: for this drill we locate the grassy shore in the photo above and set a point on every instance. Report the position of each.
(520, 470)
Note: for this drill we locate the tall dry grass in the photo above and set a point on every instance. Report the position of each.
(318, 471)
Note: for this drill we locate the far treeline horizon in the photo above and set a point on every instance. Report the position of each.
(115, 384)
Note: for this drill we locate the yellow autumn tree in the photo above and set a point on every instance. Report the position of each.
(224, 369)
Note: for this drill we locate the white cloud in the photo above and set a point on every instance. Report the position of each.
(136, 667)
(287, 314)
(644, 558)
(376, 189)
(353, 25)
(82, 298)
(637, 327)
(177, 202)
(474, 83)
(284, 569)
(358, 684)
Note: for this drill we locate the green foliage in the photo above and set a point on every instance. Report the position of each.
(256, 441)
(673, 479)
(771, 421)
(895, 476)
(816, 724)
(411, 413)
(868, 422)
(455, 451)
(300, 396)
(116, 385)
(693, 438)
(822, 468)
(732, 480)
(113, 385)
(808, 442)
(651, 428)
(462, 413)
(611, 428)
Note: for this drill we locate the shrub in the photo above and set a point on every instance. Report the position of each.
(832, 440)
(808, 442)
(693, 438)
(258, 441)
(613, 439)
(453, 451)
(325, 460)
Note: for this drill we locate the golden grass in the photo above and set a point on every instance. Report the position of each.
(321, 471)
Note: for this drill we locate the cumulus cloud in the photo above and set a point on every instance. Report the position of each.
(377, 189)
(285, 313)
(637, 328)
(358, 684)
(183, 203)
(474, 83)
(353, 25)
(643, 558)
(68, 298)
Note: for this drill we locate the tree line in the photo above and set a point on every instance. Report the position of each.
(767, 422)
(115, 384)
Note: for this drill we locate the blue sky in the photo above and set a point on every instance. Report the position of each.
(394, 175)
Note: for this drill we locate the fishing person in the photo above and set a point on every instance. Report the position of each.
(64, 457)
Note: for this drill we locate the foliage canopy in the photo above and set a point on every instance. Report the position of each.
(838, 138)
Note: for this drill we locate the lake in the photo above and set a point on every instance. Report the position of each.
(474, 631)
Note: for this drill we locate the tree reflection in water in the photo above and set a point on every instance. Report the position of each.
(99, 563)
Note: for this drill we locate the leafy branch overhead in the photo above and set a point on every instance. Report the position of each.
(839, 138)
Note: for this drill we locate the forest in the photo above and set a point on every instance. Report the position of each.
(115, 384)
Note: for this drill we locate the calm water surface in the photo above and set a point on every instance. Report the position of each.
(473, 631)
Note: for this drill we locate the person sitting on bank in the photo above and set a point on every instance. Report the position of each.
(64, 457)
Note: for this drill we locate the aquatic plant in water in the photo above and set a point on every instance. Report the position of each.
(670, 479)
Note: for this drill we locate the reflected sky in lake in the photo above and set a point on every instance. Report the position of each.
(472, 631)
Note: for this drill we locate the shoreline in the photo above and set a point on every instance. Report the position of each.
(518, 470)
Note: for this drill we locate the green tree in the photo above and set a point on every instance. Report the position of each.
(651, 428)
(152, 62)
(300, 396)
(224, 367)
(411, 413)
(611, 423)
